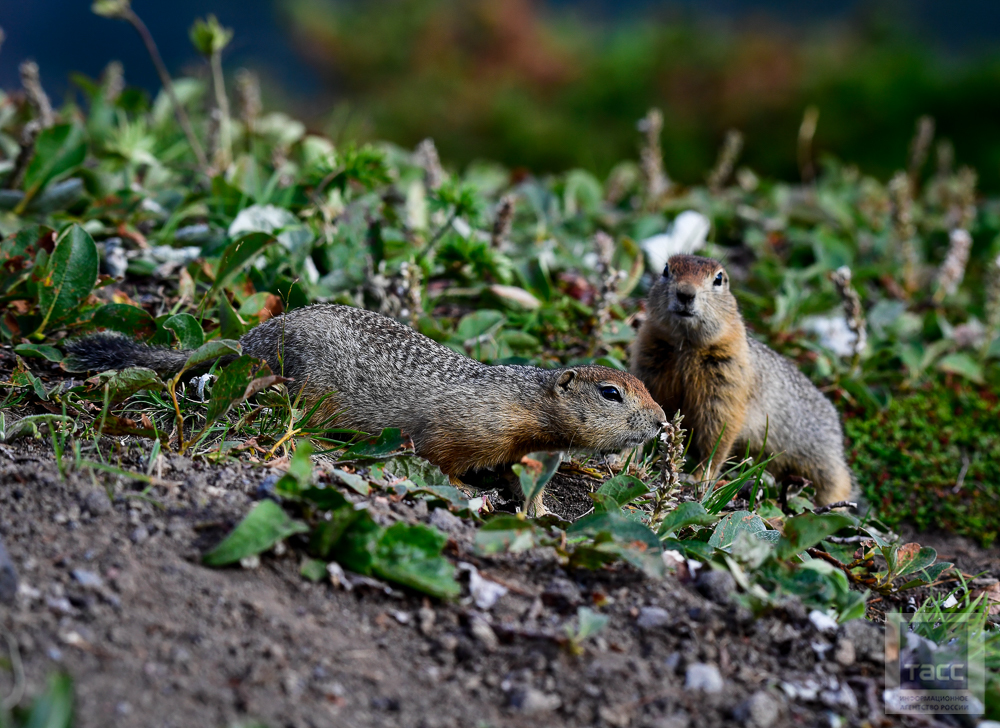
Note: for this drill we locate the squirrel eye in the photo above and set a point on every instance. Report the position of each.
(718, 279)
(666, 271)
(611, 393)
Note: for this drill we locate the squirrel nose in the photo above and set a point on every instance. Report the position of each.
(685, 296)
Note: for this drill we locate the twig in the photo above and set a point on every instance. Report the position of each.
(960, 481)
(127, 14)
(807, 130)
(831, 506)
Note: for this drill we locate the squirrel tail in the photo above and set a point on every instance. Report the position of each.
(103, 351)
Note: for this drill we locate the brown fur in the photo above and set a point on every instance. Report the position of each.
(462, 415)
(694, 355)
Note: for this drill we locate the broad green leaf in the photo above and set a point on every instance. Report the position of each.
(253, 304)
(417, 470)
(43, 351)
(505, 533)
(237, 254)
(590, 623)
(618, 527)
(230, 324)
(411, 555)
(127, 319)
(58, 150)
(353, 481)
(604, 503)
(313, 569)
(327, 533)
(54, 707)
(686, 514)
(123, 383)
(187, 329)
(963, 365)
(324, 498)
(533, 479)
(732, 524)
(623, 488)
(808, 529)
(913, 557)
(71, 274)
(479, 323)
(932, 573)
(388, 440)
(299, 473)
(231, 386)
(210, 352)
(262, 528)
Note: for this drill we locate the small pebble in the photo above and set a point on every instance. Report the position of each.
(483, 633)
(701, 676)
(88, 578)
(531, 701)
(139, 535)
(718, 586)
(844, 652)
(822, 622)
(653, 617)
(762, 709)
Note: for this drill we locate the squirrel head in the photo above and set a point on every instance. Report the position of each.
(692, 302)
(604, 409)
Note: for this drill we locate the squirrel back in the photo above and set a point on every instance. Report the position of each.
(694, 355)
(369, 372)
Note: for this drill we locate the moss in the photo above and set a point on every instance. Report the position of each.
(932, 458)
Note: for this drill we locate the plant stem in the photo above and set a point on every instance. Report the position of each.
(437, 236)
(168, 85)
(225, 152)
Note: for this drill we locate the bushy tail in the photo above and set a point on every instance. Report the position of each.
(100, 352)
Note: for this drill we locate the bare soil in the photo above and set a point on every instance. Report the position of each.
(112, 591)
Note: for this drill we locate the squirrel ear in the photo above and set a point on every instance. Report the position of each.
(566, 379)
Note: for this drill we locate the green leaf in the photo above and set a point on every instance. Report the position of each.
(618, 527)
(210, 352)
(72, 273)
(963, 365)
(732, 524)
(328, 532)
(590, 622)
(411, 555)
(913, 557)
(263, 527)
(533, 481)
(58, 150)
(44, 351)
(230, 324)
(123, 383)
(187, 329)
(416, 469)
(127, 319)
(505, 533)
(388, 440)
(479, 323)
(232, 385)
(237, 254)
(54, 707)
(808, 529)
(355, 482)
(686, 514)
(313, 569)
(299, 473)
(623, 488)
(932, 573)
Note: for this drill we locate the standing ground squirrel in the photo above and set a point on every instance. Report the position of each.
(694, 354)
(461, 414)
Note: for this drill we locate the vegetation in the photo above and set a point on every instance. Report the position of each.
(542, 86)
(113, 219)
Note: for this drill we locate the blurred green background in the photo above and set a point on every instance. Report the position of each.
(549, 86)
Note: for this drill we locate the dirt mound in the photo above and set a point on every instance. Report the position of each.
(111, 590)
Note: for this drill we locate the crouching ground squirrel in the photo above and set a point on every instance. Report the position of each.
(462, 415)
(694, 355)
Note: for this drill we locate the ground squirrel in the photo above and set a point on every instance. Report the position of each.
(694, 355)
(461, 414)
